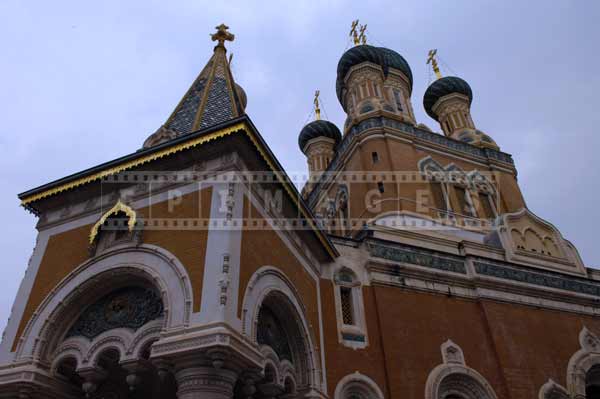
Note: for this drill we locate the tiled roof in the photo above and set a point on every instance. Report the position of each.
(212, 99)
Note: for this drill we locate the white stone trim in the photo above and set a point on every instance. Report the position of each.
(552, 390)
(582, 361)
(357, 379)
(267, 280)
(127, 342)
(154, 264)
(454, 363)
(358, 307)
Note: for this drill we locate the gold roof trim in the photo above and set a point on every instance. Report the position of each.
(118, 207)
(184, 146)
(133, 163)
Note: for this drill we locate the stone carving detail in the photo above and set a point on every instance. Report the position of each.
(451, 353)
(454, 379)
(130, 307)
(224, 281)
(528, 238)
(400, 253)
(552, 390)
(545, 279)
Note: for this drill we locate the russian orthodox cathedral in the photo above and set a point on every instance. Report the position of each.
(408, 265)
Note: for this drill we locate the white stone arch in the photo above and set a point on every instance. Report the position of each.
(581, 362)
(151, 264)
(269, 280)
(357, 385)
(453, 373)
(552, 390)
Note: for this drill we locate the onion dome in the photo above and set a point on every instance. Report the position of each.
(318, 128)
(442, 87)
(381, 56)
(475, 137)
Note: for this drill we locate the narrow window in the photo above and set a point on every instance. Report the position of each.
(347, 307)
(377, 90)
(463, 201)
(398, 99)
(380, 187)
(375, 156)
(487, 206)
(438, 196)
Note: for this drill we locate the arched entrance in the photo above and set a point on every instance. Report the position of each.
(97, 327)
(278, 326)
(106, 351)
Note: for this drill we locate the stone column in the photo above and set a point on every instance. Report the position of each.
(205, 383)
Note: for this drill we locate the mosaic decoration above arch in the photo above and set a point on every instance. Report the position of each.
(129, 307)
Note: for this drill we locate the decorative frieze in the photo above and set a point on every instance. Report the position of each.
(419, 257)
(544, 279)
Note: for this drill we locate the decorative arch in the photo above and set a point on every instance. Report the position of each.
(118, 207)
(582, 362)
(357, 386)
(429, 165)
(269, 286)
(454, 378)
(553, 390)
(147, 264)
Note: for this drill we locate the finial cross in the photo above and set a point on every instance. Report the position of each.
(362, 36)
(434, 64)
(358, 38)
(354, 33)
(222, 34)
(316, 102)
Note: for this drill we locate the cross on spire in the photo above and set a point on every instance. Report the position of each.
(433, 61)
(222, 34)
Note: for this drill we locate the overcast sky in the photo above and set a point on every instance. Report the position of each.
(85, 82)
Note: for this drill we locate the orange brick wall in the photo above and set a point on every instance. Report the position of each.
(265, 248)
(516, 348)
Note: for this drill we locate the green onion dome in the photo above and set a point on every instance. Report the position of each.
(381, 56)
(442, 87)
(318, 128)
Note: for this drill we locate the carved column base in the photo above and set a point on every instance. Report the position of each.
(205, 383)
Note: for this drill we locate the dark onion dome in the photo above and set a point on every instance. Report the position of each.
(381, 56)
(318, 128)
(442, 87)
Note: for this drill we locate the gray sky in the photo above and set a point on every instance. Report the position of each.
(83, 83)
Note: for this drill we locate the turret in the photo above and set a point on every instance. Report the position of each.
(448, 101)
(317, 140)
(373, 80)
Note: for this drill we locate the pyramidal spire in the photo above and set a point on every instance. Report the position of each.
(213, 98)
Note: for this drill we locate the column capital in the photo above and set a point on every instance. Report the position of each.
(205, 383)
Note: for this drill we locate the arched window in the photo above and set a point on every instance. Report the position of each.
(453, 379)
(357, 386)
(350, 308)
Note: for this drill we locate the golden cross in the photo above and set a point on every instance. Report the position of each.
(353, 33)
(316, 102)
(362, 36)
(222, 35)
(432, 60)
